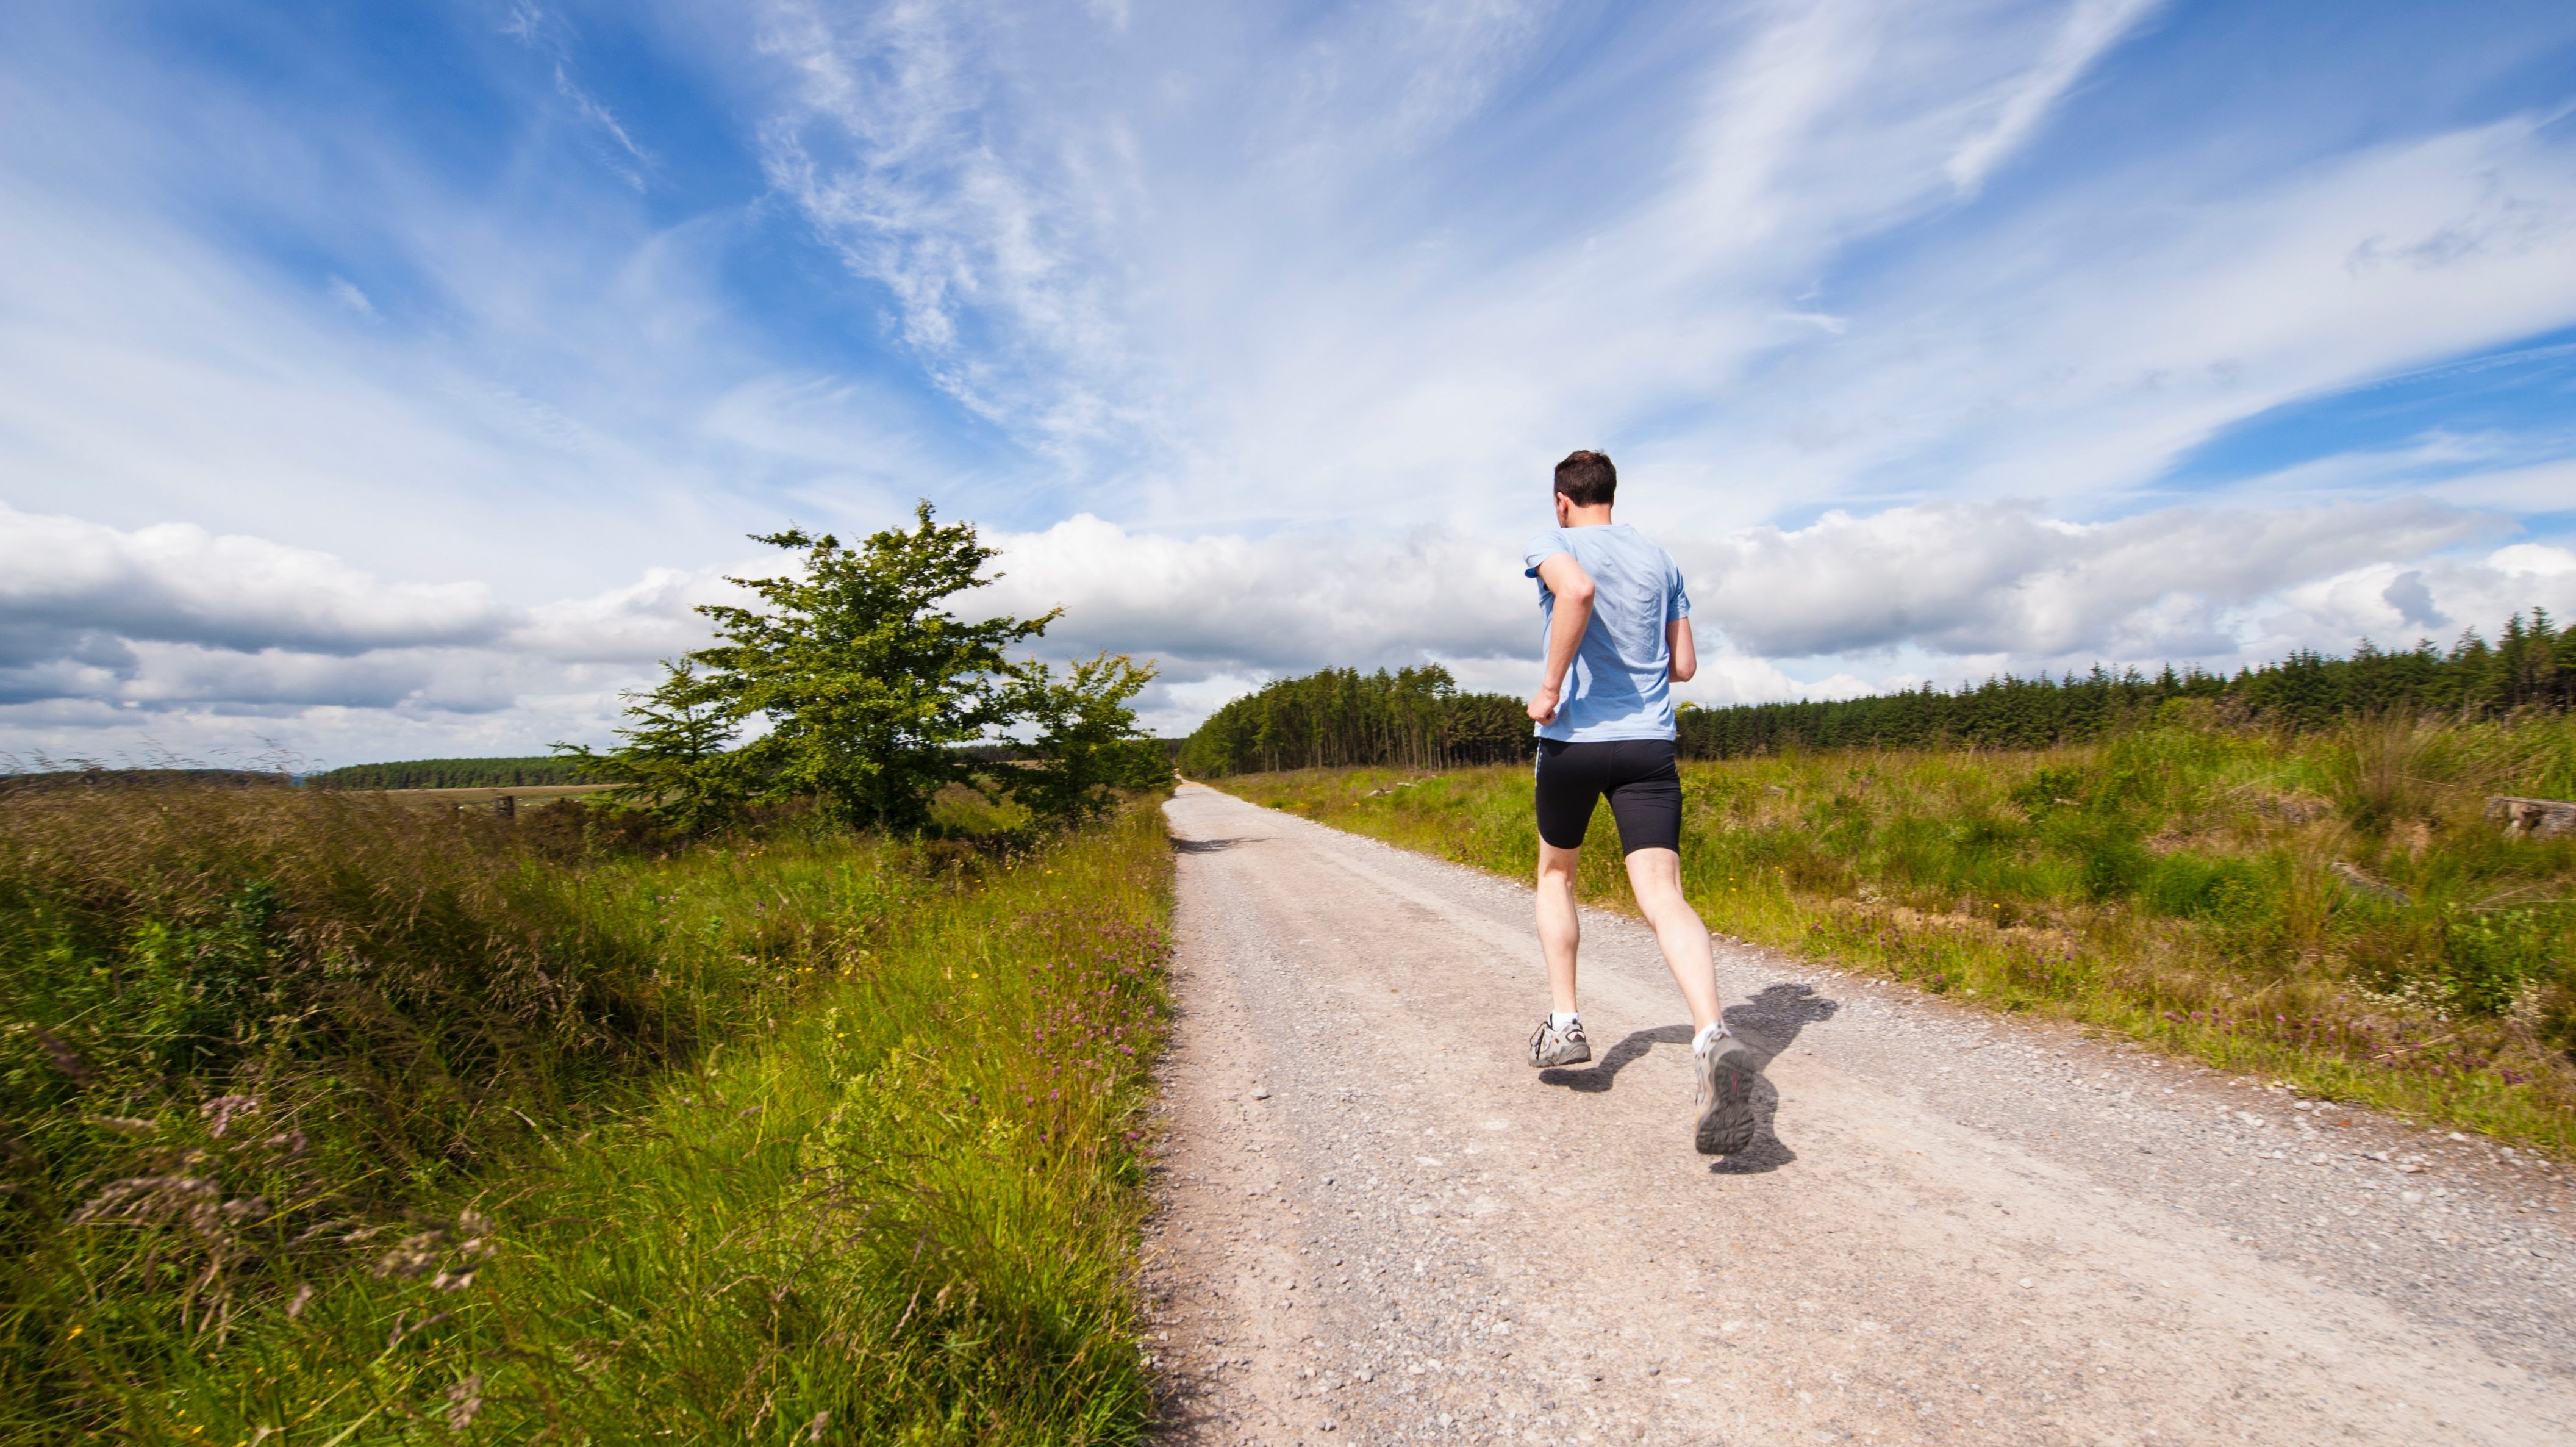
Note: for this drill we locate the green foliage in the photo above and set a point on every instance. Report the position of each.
(866, 696)
(868, 684)
(330, 1120)
(1414, 717)
(1088, 748)
(674, 763)
(2489, 958)
(2186, 885)
(453, 774)
(2329, 905)
(2534, 666)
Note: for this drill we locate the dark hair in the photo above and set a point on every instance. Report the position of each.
(1587, 479)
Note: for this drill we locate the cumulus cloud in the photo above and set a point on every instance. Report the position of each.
(165, 621)
(2396, 603)
(1250, 332)
(1942, 590)
(176, 628)
(1282, 603)
(177, 583)
(2003, 577)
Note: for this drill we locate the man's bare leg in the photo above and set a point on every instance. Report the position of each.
(1656, 876)
(1560, 925)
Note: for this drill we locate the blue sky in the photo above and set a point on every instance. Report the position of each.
(390, 381)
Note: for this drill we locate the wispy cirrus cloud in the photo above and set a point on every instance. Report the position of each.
(1929, 335)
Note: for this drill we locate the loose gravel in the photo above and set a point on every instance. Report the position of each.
(1377, 1224)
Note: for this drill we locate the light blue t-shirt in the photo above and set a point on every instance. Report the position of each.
(1621, 683)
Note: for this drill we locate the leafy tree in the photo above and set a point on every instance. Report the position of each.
(869, 685)
(1088, 744)
(674, 763)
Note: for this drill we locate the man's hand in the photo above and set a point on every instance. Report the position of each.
(1542, 706)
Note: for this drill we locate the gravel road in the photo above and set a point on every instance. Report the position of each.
(1376, 1223)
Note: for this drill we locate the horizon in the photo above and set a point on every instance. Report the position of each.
(382, 387)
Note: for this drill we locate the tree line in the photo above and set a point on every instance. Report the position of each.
(1417, 718)
(529, 773)
(1413, 717)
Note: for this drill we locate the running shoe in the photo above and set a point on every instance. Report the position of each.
(1551, 1046)
(1724, 1095)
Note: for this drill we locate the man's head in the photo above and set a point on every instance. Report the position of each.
(1585, 483)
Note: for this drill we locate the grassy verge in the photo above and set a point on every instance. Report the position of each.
(330, 1124)
(2328, 909)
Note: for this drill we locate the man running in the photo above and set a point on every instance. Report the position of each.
(1618, 636)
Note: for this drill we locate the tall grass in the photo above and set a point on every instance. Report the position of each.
(329, 1121)
(2331, 907)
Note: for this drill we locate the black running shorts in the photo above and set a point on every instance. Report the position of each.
(1639, 775)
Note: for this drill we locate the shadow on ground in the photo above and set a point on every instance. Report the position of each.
(1771, 1020)
(1211, 846)
(1768, 1023)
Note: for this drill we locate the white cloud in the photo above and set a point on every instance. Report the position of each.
(1935, 591)
(2091, 28)
(2394, 604)
(346, 293)
(1230, 278)
(1282, 603)
(192, 637)
(1260, 330)
(178, 583)
(1978, 578)
(172, 632)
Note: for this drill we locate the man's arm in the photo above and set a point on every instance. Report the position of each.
(1573, 589)
(1684, 649)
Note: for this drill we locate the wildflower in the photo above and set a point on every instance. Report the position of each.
(221, 1110)
(463, 1401)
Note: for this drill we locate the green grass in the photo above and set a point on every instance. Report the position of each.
(330, 1122)
(2330, 909)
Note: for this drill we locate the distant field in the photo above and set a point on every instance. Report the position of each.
(2332, 907)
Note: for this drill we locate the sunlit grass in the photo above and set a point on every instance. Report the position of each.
(765, 1136)
(2331, 909)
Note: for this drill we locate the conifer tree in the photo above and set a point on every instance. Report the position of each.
(674, 762)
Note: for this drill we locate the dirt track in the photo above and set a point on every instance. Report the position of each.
(1379, 1224)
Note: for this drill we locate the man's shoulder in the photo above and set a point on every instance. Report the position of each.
(1627, 539)
(1544, 546)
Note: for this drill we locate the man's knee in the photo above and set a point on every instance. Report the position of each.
(1655, 873)
(1554, 863)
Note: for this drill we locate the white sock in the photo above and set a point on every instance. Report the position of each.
(1707, 1037)
(1563, 1019)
